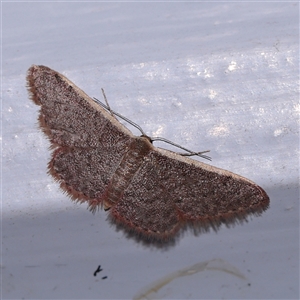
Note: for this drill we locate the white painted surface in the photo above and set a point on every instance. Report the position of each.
(218, 76)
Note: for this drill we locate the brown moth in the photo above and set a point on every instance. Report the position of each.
(146, 190)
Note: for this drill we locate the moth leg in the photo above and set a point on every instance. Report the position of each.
(108, 107)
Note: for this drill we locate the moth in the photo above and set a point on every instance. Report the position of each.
(146, 190)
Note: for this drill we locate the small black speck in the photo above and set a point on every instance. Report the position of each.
(98, 270)
(104, 277)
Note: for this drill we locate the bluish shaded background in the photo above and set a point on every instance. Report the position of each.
(219, 76)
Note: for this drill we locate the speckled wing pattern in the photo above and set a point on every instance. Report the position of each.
(150, 191)
(88, 142)
(182, 190)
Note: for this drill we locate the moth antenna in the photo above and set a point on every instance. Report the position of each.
(190, 152)
(198, 154)
(152, 139)
(113, 113)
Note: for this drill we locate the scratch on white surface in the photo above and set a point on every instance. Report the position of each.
(297, 107)
(219, 130)
(213, 265)
(158, 131)
(281, 131)
(212, 94)
(232, 66)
